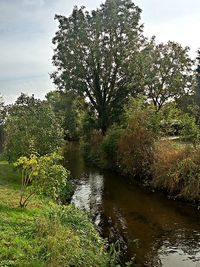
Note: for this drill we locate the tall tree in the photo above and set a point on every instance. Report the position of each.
(165, 71)
(91, 55)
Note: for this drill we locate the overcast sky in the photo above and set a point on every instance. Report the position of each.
(27, 28)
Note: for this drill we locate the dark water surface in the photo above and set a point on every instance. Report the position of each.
(154, 229)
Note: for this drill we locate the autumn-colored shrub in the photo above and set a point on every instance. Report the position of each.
(135, 148)
(166, 156)
(186, 177)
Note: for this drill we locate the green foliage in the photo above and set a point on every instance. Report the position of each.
(41, 175)
(190, 130)
(31, 127)
(136, 144)
(47, 239)
(170, 120)
(110, 146)
(81, 246)
(92, 148)
(165, 71)
(173, 121)
(96, 46)
(70, 110)
(146, 113)
(44, 234)
(127, 147)
(2, 116)
(2, 109)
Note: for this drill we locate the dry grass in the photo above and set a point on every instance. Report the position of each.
(176, 168)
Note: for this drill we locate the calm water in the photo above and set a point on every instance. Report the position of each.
(153, 229)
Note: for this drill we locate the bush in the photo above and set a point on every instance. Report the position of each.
(166, 156)
(186, 178)
(190, 130)
(174, 122)
(42, 175)
(92, 147)
(127, 147)
(110, 146)
(135, 149)
(136, 144)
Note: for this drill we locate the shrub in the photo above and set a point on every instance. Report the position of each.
(92, 147)
(110, 146)
(166, 156)
(190, 130)
(136, 145)
(41, 175)
(186, 178)
(174, 122)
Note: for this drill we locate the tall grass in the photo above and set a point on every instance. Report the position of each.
(176, 168)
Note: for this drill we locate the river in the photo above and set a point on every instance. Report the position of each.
(153, 229)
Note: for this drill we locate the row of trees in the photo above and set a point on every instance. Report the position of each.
(104, 58)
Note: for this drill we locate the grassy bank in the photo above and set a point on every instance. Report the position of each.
(176, 169)
(44, 234)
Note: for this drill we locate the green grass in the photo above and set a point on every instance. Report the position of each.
(44, 234)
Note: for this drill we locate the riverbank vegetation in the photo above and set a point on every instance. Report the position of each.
(134, 106)
(131, 97)
(44, 233)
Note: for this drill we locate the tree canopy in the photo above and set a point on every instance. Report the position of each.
(31, 127)
(91, 55)
(165, 72)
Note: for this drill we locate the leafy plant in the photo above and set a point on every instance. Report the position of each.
(41, 175)
(31, 127)
(110, 146)
(136, 143)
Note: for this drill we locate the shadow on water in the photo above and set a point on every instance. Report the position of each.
(158, 231)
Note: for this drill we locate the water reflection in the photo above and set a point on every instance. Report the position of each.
(160, 232)
(88, 195)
